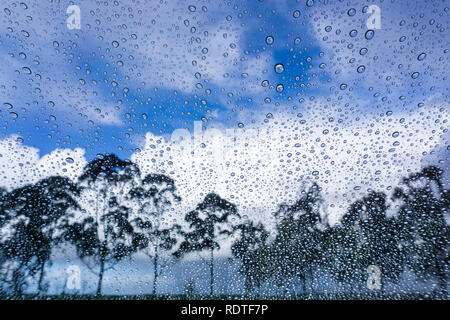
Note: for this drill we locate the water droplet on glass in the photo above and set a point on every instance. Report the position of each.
(280, 87)
(269, 40)
(351, 12)
(369, 34)
(421, 56)
(279, 68)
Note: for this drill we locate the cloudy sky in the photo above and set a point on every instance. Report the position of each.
(274, 94)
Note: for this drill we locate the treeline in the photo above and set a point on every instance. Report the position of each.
(113, 212)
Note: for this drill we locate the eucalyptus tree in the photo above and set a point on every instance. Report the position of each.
(156, 197)
(296, 247)
(33, 216)
(102, 231)
(251, 249)
(341, 251)
(373, 239)
(3, 194)
(424, 204)
(213, 220)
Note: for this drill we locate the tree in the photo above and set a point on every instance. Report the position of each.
(251, 249)
(375, 239)
(33, 216)
(211, 221)
(340, 256)
(364, 237)
(156, 195)
(3, 194)
(102, 231)
(424, 231)
(296, 247)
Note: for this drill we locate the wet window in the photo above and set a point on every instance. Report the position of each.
(222, 149)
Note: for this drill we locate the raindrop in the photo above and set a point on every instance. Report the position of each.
(269, 40)
(353, 33)
(296, 14)
(279, 68)
(8, 105)
(280, 87)
(26, 70)
(369, 34)
(351, 12)
(421, 56)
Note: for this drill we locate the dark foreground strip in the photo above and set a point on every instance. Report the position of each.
(216, 309)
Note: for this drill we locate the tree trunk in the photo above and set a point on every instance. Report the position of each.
(41, 278)
(211, 269)
(442, 279)
(155, 270)
(17, 281)
(100, 276)
(303, 280)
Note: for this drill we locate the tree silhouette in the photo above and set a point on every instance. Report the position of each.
(251, 250)
(103, 231)
(33, 218)
(3, 194)
(296, 247)
(156, 195)
(341, 251)
(376, 238)
(424, 231)
(211, 221)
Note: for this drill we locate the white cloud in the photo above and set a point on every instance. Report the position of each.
(261, 166)
(345, 154)
(21, 164)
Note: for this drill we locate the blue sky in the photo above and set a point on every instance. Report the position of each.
(66, 56)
